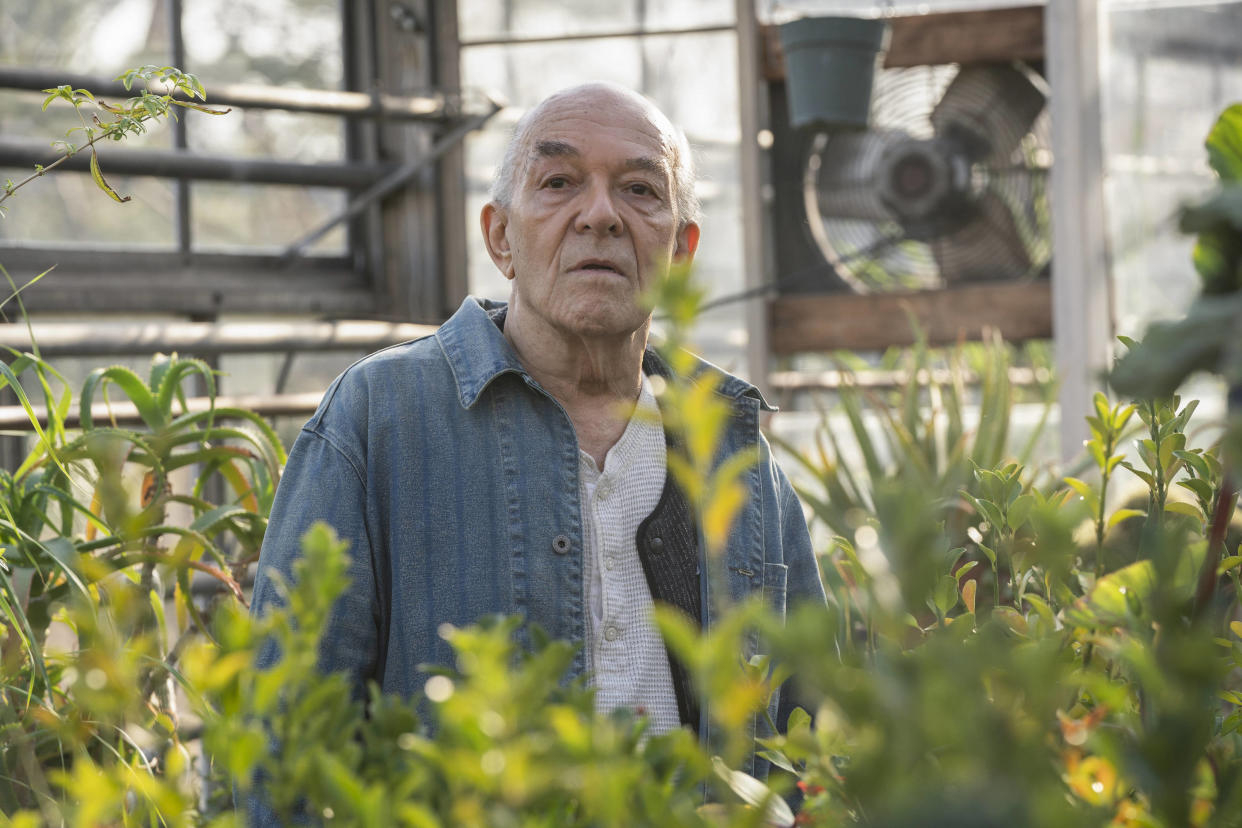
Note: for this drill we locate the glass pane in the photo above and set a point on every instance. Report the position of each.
(92, 36)
(486, 19)
(68, 208)
(234, 217)
(1167, 73)
(686, 14)
(526, 74)
(271, 42)
(489, 19)
(288, 136)
(23, 117)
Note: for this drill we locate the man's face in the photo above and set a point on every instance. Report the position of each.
(592, 220)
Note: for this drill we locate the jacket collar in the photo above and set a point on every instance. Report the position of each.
(477, 353)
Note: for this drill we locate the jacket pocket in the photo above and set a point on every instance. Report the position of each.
(775, 582)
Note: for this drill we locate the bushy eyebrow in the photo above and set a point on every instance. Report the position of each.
(551, 149)
(555, 149)
(647, 164)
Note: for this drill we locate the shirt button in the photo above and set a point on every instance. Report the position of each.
(610, 562)
(612, 633)
(603, 489)
(656, 544)
(560, 544)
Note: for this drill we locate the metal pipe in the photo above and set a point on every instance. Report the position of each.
(181, 142)
(14, 417)
(206, 338)
(565, 38)
(317, 101)
(880, 379)
(197, 167)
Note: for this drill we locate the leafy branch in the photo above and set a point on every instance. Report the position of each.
(119, 120)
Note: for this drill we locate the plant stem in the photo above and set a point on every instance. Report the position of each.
(1216, 542)
(1158, 493)
(1109, 446)
(9, 191)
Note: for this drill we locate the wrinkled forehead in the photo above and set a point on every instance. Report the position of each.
(568, 123)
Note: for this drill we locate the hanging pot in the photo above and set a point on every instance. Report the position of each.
(830, 66)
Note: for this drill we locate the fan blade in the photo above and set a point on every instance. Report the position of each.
(987, 248)
(987, 109)
(844, 180)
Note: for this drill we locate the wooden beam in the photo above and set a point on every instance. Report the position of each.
(103, 281)
(984, 36)
(848, 321)
(456, 233)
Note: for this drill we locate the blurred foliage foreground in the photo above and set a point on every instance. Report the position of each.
(998, 649)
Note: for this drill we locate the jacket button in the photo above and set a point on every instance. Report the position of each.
(560, 544)
(656, 544)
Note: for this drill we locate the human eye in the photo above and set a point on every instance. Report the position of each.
(640, 188)
(555, 181)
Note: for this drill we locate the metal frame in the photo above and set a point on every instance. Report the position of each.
(1081, 287)
(752, 105)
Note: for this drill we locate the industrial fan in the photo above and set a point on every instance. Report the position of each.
(947, 185)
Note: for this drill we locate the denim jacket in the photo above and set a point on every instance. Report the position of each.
(454, 477)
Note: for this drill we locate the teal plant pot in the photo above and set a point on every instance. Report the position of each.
(830, 67)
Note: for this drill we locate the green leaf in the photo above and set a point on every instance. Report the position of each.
(945, 594)
(1101, 405)
(754, 793)
(1224, 144)
(1085, 491)
(987, 509)
(1174, 442)
(101, 183)
(1202, 489)
(1229, 563)
(1109, 603)
(1123, 514)
(779, 760)
(12, 607)
(1141, 475)
(799, 720)
(133, 386)
(1147, 451)
(1182, 508)
(1019, 511)
(1171, 351)
(1194, 460)
(964, 570)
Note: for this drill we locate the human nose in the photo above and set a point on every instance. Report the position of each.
(599, 213)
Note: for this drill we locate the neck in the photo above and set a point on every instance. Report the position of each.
(596, 379)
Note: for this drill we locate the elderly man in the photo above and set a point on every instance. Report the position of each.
(514, 462)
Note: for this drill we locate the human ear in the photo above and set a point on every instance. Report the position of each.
(495, 224)
(687, 243)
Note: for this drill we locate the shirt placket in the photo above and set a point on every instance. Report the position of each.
(607, 560)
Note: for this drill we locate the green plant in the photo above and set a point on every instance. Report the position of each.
(102, 529)
(119, 120)
(496, 741)
(86, 531)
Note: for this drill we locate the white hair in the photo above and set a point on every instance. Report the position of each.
(685, 202)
